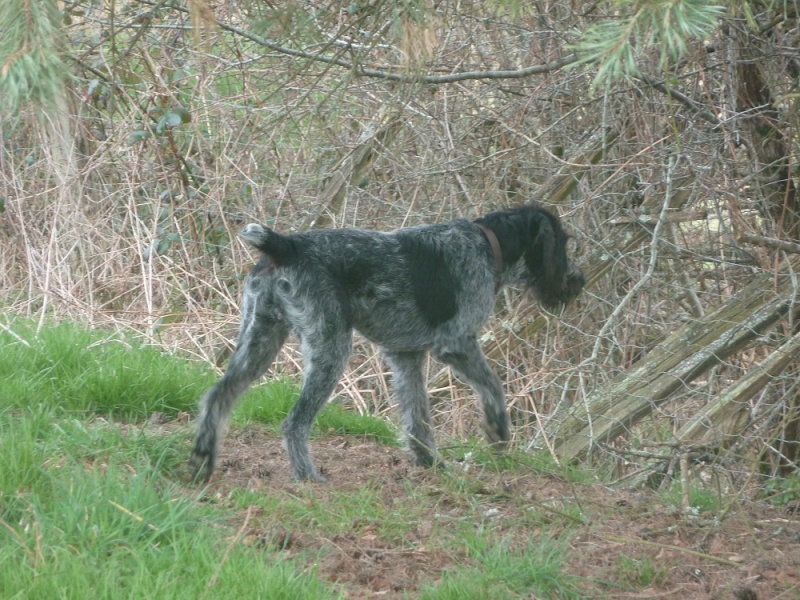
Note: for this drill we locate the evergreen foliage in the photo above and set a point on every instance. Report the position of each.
(32, 69)
(613, 45)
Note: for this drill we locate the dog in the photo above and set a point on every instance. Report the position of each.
(410, 291)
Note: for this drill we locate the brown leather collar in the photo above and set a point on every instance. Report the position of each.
(496, 253)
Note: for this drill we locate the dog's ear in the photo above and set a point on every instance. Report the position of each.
(542, 256)
(546, 257)
(543, 236)
(280, 248)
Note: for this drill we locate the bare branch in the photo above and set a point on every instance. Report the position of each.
(790, 247)
(682, 98)
(401, 74)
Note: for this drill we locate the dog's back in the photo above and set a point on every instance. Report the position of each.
(396, 288)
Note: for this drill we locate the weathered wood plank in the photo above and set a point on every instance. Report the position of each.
(678, 360)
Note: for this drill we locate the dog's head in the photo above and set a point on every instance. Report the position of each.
(534, 248)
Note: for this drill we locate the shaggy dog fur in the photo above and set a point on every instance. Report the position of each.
(410, 291)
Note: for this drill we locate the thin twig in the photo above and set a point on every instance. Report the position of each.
(401, 74)
(14, 335)
(717, 559)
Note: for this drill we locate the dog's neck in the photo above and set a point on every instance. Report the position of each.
(496, 253)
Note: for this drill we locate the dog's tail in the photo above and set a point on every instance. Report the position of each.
(280, 248)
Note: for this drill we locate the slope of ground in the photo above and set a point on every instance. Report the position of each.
(620, 544)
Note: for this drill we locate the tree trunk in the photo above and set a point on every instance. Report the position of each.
(771, 156)
(768, 145)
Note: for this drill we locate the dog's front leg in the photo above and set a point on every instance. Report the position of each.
(465, 357)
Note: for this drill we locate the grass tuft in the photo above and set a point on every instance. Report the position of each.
(74, 369)
(499, 570)
(270, 405)
(474, 455)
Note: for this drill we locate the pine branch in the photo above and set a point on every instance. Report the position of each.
(31, 68)
(614, 43)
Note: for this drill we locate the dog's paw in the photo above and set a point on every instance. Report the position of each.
(498, 433)
(310, 476)
(306, 472)
(201, 466)
(427, 460)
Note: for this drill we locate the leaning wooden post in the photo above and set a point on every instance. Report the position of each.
(688, 353)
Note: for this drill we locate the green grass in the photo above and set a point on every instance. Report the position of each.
(339, 512)
(94, 504)
(86, 509)
(86, 504)
(269, 405)
(77, 370)
(498, 570)
(641, 572)
(82, 371)
(701, 499)
(474, 455)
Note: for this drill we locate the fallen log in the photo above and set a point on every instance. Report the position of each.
(685, 355)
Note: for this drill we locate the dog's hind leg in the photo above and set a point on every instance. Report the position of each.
(261, 335)
(324, 362)
(409, 385)
(467, 360)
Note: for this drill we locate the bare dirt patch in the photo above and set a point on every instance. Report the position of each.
(623, 544)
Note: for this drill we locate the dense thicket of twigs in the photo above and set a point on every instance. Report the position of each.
(121, 191)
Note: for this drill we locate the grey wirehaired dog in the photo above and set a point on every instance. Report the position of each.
(410, 291)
